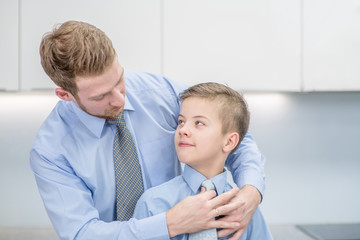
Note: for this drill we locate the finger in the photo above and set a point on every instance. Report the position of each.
(225, 232)
(223, 224)
(229, 218)
(215, 213)
(237, 234)
(227, 208)
(224, 198)
(207, 194)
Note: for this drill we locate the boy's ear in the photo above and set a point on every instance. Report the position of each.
(64, 95)
(231, 142)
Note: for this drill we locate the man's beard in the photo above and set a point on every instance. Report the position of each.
(112, 113)
(109, 113)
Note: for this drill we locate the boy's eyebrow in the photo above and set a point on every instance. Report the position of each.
(200, 116)
(103, 94)
(196, 116)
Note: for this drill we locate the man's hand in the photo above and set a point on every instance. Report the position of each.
(249, 199)
(195, 213)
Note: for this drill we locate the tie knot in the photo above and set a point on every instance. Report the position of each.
(119, 121)
(208, 185)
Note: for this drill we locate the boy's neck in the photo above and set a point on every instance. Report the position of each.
(209, 171)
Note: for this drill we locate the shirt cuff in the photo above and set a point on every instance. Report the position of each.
(154, 227)
(252, 178)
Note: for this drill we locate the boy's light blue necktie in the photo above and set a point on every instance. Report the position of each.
(128, 178)
(206, 234)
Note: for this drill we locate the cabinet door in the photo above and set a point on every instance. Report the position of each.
(250, 45)
(9, 42)
(133, 26)
(331, 45)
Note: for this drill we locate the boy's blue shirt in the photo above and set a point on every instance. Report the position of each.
(161, 198)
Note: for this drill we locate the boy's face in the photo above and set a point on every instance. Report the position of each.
(198, 137)
(103, 95)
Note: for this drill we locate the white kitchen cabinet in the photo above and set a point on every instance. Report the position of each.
(9, 73)
(250, 45)
(331, 45)
(133, 26)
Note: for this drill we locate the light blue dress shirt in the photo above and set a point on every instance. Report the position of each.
(161, 198)
(72, 160)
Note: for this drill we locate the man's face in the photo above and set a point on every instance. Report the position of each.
(103, 95)
(198, 138)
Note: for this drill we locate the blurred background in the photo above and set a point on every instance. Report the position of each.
(296, 61)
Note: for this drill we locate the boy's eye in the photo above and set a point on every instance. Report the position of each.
(180, 122)
(198, 123)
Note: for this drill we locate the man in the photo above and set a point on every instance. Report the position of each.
(73, 159)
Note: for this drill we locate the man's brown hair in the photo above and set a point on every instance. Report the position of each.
(75, 49)
(233, 114)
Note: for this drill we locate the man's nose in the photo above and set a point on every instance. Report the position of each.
(118, 98)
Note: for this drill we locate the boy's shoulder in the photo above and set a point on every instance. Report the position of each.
(166, 194)
(170, 185)
(160, 198)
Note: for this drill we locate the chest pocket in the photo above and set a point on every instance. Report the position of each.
(160, 162)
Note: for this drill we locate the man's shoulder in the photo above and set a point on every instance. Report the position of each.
(62, 115)
(58, 124)
(144, 81)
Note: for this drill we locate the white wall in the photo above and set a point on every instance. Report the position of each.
(21, 116)
(311, 142)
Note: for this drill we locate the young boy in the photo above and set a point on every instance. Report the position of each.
(212, 122)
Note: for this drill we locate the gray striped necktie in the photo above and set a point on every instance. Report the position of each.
(206, 234)
(128, 178)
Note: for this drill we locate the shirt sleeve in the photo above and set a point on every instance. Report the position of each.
(149, 206)
(70, 206)
(246, 164)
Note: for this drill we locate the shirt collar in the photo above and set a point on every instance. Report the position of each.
(96, 124)
(194, 179)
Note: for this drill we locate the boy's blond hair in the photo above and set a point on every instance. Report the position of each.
(233, 113)
(75, 49)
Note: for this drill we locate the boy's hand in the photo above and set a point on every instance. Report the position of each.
(195, 213)
(250, 198)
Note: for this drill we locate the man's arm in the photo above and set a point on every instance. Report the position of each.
(71, 208)
(250, 198)
(247, 167)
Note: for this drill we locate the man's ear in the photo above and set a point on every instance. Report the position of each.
(231, 142)
(64, 95)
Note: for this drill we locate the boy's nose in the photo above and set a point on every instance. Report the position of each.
(184, 130)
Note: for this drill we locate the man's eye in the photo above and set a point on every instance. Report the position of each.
(99, 98)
